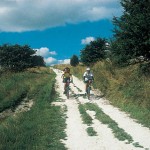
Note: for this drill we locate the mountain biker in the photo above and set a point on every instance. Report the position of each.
(66, 76)
(88, 78)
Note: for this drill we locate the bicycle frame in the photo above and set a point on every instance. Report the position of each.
(88, 88)
(67, 88)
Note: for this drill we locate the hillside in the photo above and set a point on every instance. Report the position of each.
(27, 120)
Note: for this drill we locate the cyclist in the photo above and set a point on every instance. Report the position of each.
(66, 76)
(88, 78)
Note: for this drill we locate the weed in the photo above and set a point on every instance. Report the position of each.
(137, 145)
(91, 131)
(105, 119)
(87, 120)
(85, 117)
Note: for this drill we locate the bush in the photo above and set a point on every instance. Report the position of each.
(18, 58)
(145, 69)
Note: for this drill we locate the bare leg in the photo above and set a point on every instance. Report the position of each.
(64, 87)
(86, 86)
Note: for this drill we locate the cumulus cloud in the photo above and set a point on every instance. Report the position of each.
(50, 61)
(87, 40)
(48, 56)
(53, 61)
(27, 15)
(44, 52)
(65, 61)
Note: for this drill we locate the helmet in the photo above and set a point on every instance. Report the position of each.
(88, 69)
(67, 69)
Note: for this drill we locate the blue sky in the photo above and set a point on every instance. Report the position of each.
(57, 29)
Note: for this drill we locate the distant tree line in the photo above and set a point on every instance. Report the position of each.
(18, 58)
(131, 41)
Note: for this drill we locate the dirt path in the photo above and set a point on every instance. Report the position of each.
(77, 137)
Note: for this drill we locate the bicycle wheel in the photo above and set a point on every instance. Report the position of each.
(67, 92)
(88, 92)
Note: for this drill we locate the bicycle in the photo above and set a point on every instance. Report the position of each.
(67, 88)
(88, 88)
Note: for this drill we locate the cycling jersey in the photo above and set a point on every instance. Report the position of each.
(88, 76)
(66, 76)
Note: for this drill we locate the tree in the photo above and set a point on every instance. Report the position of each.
(93, 52)
(38, 61)
(17, 58)
(131, 33)
(74, 61)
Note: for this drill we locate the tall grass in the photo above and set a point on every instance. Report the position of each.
(40, 128)
(15, 86)
(125, 88)
(127, 82)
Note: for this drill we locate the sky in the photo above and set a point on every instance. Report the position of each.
(56, 29)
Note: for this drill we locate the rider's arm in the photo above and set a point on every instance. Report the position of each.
(71, 77)
(62, 76)
(84, 75)
(92, 77)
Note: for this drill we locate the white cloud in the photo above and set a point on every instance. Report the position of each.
(53, 53)
(65, 61)
(87, 40)
(47, 55)
(44, 51)
(50, 61)
(53, 61)
(27, 15)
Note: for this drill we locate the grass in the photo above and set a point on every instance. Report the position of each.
(15, 86)
(126, 89)
(118, 132)
(91, 131)
(137, 145)
(87, 120)
(40, 128)
(85, 117)
(105, 119)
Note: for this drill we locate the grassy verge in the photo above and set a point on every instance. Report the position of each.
(118, 132)
(15, 86)
(125, 88)
(105, 119)
(87, 120)
(40, 128)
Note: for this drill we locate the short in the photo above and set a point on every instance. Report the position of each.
(65, 80)
(86, 81)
